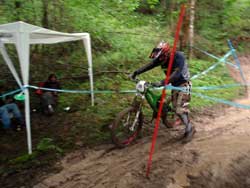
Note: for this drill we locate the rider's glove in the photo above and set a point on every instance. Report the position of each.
(133, 75)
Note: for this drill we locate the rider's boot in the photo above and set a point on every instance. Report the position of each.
(189, 130)
(188, 136)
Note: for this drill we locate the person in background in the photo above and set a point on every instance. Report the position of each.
(8, 107)
(49, 99)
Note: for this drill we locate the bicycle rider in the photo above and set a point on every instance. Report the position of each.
(179, 77)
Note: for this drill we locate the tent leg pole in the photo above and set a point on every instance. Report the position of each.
(27, 120)
(91, 86)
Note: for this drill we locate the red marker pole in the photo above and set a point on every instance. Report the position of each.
(157, 122)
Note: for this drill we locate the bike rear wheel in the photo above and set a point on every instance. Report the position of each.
(126, 127)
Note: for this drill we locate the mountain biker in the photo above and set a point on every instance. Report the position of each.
(179, 78)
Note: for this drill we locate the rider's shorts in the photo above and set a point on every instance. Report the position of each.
(181, 99)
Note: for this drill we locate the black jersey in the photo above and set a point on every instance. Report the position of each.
(179, 67)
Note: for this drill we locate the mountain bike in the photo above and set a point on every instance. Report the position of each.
(128, 123)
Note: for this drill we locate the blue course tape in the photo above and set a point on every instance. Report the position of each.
(220, 87)
(215, 57)
(223, 101)
(134, 91)
(236, 60)
(82, 91)
(11, 93)
(223, 59)
(206, 71)
(169, 87)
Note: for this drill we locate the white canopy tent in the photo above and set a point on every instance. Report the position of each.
(22, 35)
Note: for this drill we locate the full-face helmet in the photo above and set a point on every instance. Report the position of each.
(163, 48)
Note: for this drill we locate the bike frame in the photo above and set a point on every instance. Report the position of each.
(151, 97)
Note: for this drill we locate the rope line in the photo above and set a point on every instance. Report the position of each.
(168, 87)
(215, 57)
(11, 93)
(221, 60)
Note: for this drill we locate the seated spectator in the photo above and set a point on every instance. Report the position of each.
(6, 108)
(49, 99)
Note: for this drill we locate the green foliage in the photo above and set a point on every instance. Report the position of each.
(228, 19)
(152, 3)
(237, 17)
(47, 144)
(23, 158)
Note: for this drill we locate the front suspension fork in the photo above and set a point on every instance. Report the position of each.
(132, 128)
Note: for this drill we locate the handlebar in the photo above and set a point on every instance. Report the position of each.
(148, 84)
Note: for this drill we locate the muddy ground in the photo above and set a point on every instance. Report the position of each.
(218, 156)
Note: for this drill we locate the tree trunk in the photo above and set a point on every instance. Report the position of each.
(171, 10)
(184, 34)
(35, 19)
(45, 19)
(163, 4)
(170, 7)
(191, 28)
(18, 5)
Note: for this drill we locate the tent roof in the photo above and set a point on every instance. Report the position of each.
(37, 35)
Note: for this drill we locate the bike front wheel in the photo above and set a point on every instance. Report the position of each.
(126, 127)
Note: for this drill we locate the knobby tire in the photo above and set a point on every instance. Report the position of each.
(118, 127)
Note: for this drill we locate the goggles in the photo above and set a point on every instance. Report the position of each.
(155, 52)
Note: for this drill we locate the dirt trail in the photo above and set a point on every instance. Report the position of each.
(218, 156)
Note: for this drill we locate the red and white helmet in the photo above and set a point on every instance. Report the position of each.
(163, 48)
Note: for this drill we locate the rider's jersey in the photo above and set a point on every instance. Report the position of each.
(179, 68)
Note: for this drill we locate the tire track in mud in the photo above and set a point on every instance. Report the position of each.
(127, 168)
(218, 156)
(114, 169)
(237, 175)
